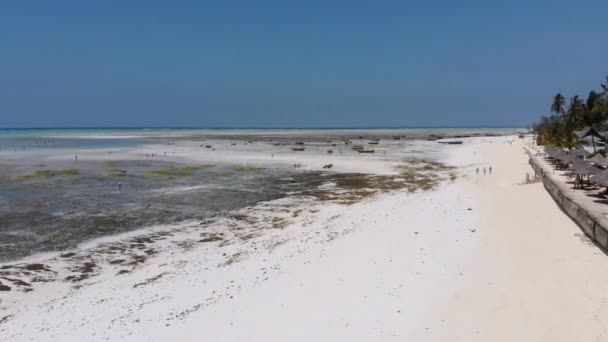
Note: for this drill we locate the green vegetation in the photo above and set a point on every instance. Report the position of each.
(279, 223)
(248, 168)
(48, 174)
(557, 129)
(175, 171)
(353, 187)
(116, 174)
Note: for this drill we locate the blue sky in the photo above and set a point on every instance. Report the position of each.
(310, 64)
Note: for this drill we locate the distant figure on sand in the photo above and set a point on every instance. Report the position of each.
(75, 157)
(119, 187)
(477, 171)
(490, 169)
(484, 171)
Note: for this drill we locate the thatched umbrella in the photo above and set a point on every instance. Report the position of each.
(554, 152)
(582, 168)
(598, 159)
(588, 132)
(564, 157)
(551, 149)
(580, 152)
(600, 179)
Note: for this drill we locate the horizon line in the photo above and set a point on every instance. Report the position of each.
(251, 128)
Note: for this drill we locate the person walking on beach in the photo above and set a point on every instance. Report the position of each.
(477, 171)
(484, 171)
(490, 169)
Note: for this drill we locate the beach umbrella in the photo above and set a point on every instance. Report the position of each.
(551, 149)
(588, 132)
(582, 168)
(580, 152)
(564, 156)
(600, 179)
(599, 160)
(553, 152)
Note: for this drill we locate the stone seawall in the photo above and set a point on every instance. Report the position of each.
(593, 225)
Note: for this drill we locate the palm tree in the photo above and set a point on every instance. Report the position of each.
(558, 128)
(593, 99)
(571, 118)
(574, 113)
(558, 104)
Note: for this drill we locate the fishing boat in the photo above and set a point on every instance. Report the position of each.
(297, 148)
(358, 147)
(373, 142)
(451, 142)
(365, 151)
(330, 151)
(396, 137)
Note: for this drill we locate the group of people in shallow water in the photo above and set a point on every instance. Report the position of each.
(488, 170)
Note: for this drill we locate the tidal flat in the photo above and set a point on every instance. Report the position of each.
(56, 208)
(225, 193)
(182, 224)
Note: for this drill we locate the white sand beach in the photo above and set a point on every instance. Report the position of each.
(479, 258)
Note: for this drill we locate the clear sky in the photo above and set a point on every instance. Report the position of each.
(295, 64)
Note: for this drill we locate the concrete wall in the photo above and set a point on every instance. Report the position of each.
(594, 226)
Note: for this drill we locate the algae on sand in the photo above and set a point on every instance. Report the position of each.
(174, 171)
(353, 187)
(48, 174)
(248, 168)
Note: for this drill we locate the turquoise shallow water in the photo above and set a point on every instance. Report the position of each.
(37, 142)
(78, 131)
